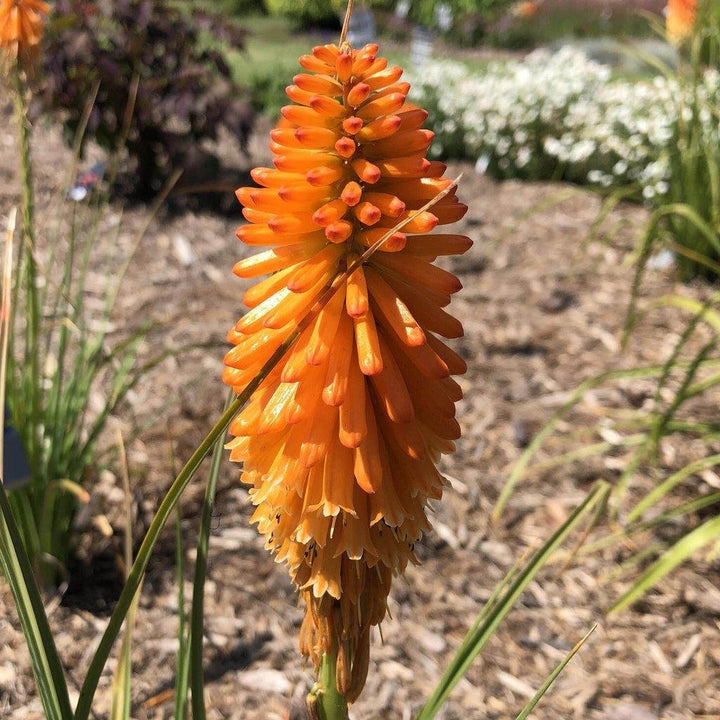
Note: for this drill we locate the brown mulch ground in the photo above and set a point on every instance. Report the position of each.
(542, 312)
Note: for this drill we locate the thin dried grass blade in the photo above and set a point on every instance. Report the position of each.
(553, 676)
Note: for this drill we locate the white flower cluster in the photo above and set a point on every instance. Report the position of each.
(556, 116)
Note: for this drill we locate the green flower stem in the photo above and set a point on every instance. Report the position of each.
(324, 701)
(27, 256)
(197, 611)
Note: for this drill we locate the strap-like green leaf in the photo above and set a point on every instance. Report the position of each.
(182, 671)
(671, 483)
(681, 551)
(197, 612)
(49, 675)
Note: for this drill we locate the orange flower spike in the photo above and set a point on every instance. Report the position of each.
(302, 97)
(412, 119)
(328, 107)
(338, 442)
(377, 66)
(310, 272)
(271, 178)
(327, 53)
(339, 232)
(276, 259)
(395, 243)
(303, 195)
(680, 20)
(403, 143)
(315, 65)
(301, 115)
(324, 330)
(336, 381)
(263, 290)
(382, 106)
(366, 171)
(353, 420)
(324, 175)
(404, 167)
(394, 310)
(21, 29)
(302, 161)
(368, 345)
(402, 87)
(368, 468)
(365, 64)
(438, 245)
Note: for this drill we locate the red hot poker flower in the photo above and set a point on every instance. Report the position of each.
(340, 442)
(681, 16)
(21, 26)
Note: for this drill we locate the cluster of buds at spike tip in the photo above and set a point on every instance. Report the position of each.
(680, 19)
(21, 28)
(340, 442)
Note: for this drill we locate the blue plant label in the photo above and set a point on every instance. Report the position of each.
(16, 469)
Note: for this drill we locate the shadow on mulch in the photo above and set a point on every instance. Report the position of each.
(207, 191)
(240, 657)
(95, 583)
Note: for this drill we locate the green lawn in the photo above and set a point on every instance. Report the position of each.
(270, 59)
(274, 43)
(271, 44)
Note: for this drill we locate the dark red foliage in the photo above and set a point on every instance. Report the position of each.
(185, 92)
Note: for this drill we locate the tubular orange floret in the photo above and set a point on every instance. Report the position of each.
(319, 84)
(330, 212)
(380, 128)
(345, 147)
(358, 94)
(365, 170)
(367, 213)
(352, 125)
(352, 193)
(339, 443)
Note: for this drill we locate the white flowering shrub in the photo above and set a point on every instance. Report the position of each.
(557, 116)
